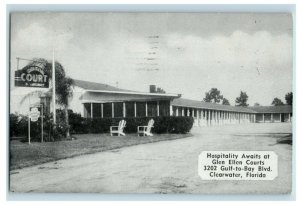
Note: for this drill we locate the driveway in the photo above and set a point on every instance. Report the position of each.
(162, 167)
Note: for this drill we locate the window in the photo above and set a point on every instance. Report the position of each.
(96, 110)
(129, 109)
(118, 109)
(174, 110)
(140, 109)
(179, 111)
(107, 110)
(87, 110)
(152, 108)
(164, 108)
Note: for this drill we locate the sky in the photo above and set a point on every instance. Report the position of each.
(184, 53)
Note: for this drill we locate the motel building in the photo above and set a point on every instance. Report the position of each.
(96, 100)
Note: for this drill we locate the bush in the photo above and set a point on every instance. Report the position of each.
(161, 124)
(19, 128)
(14, 129)
(80, 125)
(77, 124)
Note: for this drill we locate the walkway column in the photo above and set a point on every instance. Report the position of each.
(263, 116)
(201, 118)
(271, 117)
(91, 110)
(289, 117)
(182, 111)
(222, 117)
(209, 117)
(176, 111)
(157, 108)
(227, 120)
(280, 117)
(215, 117)
(171, 110)
(112, 110)
(193, 112)
(124, 109)
(101, 110)
(146, 109)
(254, 116)
(206, 118)
(134, 109)
(198, 120)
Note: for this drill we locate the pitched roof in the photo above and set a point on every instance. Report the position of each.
(96, 86)
(273, 109)
(104, 88)
(211, 106)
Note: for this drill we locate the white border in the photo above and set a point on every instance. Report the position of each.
(62, 197)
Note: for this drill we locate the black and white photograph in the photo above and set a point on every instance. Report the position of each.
(151, 102)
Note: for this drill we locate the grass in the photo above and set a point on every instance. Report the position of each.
(24, 155)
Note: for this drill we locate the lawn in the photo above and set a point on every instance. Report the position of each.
(24, 155)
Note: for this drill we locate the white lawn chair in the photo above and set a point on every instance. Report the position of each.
(146, 130)
(118, 129)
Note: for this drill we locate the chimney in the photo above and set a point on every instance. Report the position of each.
(152, 88)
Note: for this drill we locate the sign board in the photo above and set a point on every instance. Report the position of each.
(34, 114)
(31, 76)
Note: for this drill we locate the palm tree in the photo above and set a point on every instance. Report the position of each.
(63, 86)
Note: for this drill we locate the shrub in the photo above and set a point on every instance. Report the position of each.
(80, 125)
(14, 129)
(76, 122)
(161, 124)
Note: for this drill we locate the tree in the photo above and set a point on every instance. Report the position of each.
(63, 87)
(225, 102)
(256, 104)
(289, 98)
(214, 95)
(277, 102)
(242, 100)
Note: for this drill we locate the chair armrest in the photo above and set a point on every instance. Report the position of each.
(114, 127)
(143, 127)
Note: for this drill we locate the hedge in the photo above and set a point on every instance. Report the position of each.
(79, 125)
(170, 124)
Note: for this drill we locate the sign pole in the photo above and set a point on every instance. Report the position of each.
(29, 128)
(53, 88)
(42, 109)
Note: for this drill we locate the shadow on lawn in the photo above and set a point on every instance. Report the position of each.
(287, 139)
(282, 138)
